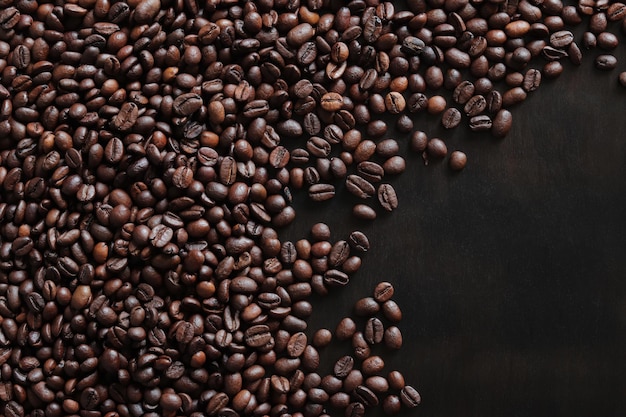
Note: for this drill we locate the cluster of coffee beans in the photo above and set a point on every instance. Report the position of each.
(149, 150)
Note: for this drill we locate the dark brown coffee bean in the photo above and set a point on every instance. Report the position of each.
(257, 336)
(374, 331)
(321, 192)
(366, 396)
(296, 345)
(322, 338)
(605, 62)
(561, 39)
(187, 104)
(412, 45)
(383, 291)
(502, 123)
(458, 160)
(359, 186)
(393, 338)
(146, 11)
(410, 397)
(126, 118)
(436, 148)
(451, 118)
(345, 329)
(359, 241)
(392, 311)
(463, 92)
(366, 307)
(9, 17)
(343, 366)
(387, 197)
(532, 80)
(339, 253)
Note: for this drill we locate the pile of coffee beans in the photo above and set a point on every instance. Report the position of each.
(150, 151)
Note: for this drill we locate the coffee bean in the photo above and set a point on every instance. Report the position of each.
(410, 397)
(126, 118)
(502, 123)
(436, 148)
(387, 197)
(322, 338)
(188, 103)
(359, 186)
(393, 338)
(622, 79)
(383, 291)
(605, 62)
(374, 331)
(366, 396)
(366, 307)
(392, 311)
(359, 241)
(458, 160)
(363, 212)
(257, 336)
(321, 192)
(343, 366)
(345, 329)
(451, 118)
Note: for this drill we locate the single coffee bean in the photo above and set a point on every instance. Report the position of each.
(502, 123)
(322, 338)
(343, 366)
(366, 307)
(366, 396)
(463, 92)
(374, 331)
(372, 365)
(436, 148)
(187, 104)
(345, 329)
(393, 338)
(605, 62)
(410, 397)
(321, 192)
(561, 39)
(359, 186)
(458, 160)
(451, 118)
(387, 197)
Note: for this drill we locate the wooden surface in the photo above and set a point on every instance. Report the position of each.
(512, 274)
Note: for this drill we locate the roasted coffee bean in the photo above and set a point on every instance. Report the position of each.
(605, 62)
(502, 123)
(359, 186)
(343, 366)
(463, 92)
(387, 197)
(458, 160)
(366, 396)
(451, 118)
(366, 307)
(393, 338)
(321, 192)
(186, 104)
(436, 148)
(410, 397)
(374, 331)
(345, 329)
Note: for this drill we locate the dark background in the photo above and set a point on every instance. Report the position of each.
(511, 273)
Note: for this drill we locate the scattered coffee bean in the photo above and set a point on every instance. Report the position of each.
(458, 160)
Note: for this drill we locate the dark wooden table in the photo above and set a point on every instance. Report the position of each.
(511, 274)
